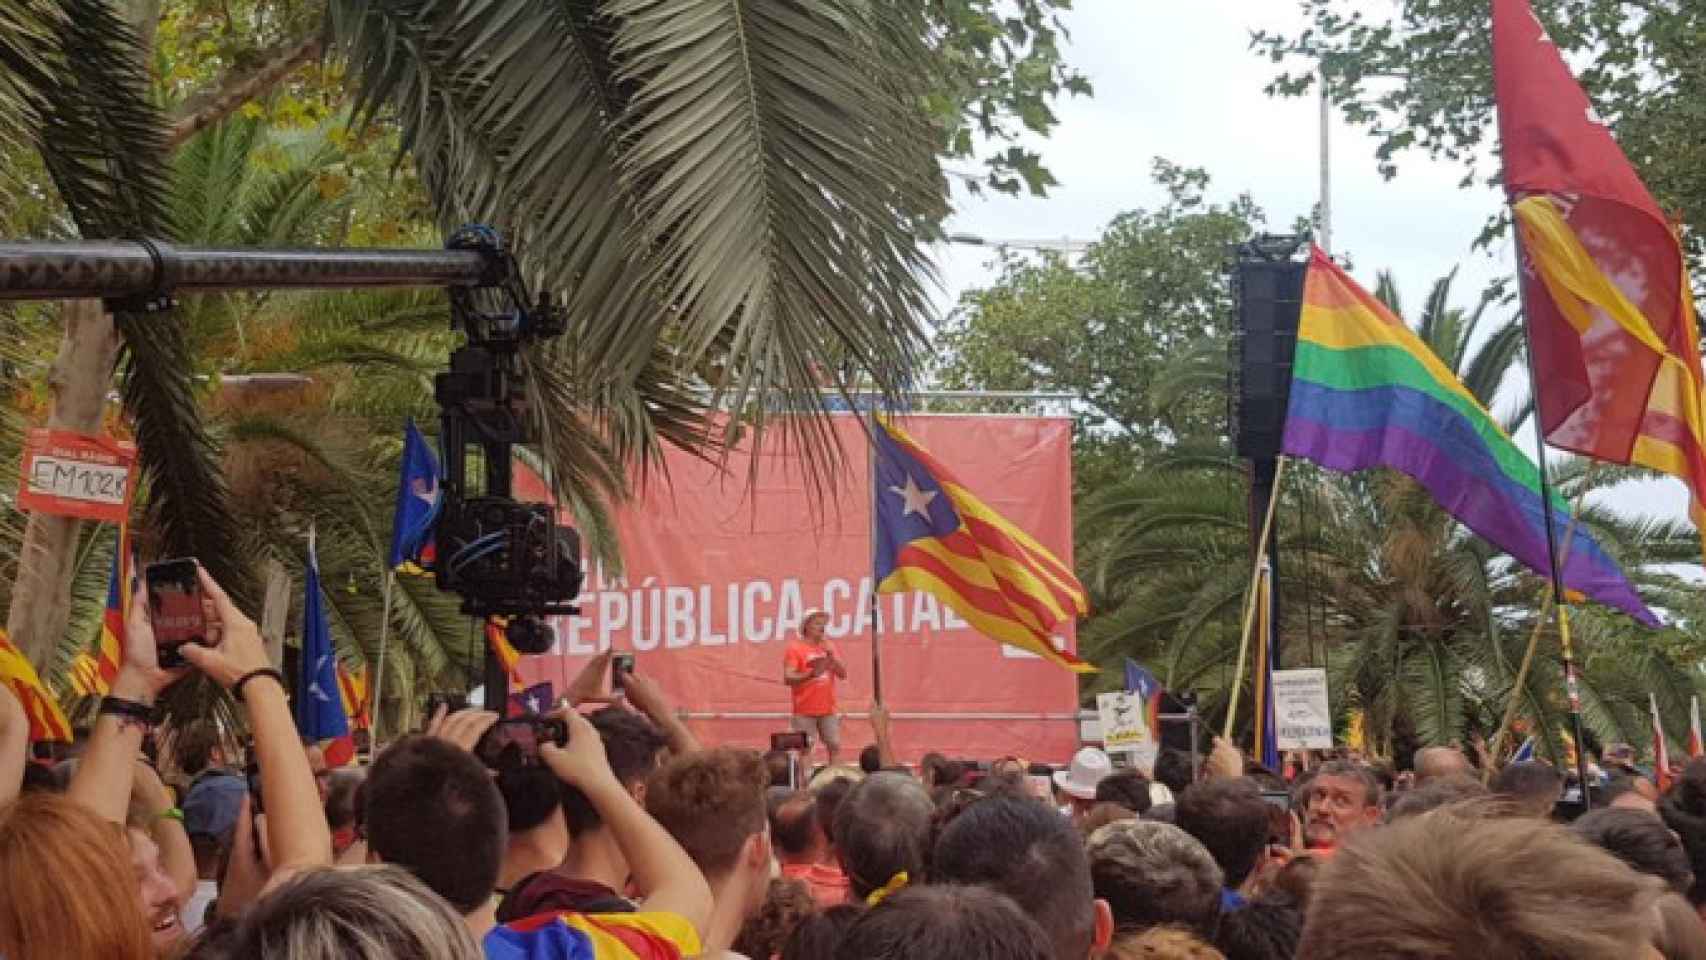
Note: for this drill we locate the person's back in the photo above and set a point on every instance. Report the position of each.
(945, 923)
(1533, 786)
(353, 913)
(1023, 849)
(1448, 886)
(1230, 819)
(1154, 874)
(802, 848)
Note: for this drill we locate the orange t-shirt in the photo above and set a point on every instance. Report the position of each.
(815, 697)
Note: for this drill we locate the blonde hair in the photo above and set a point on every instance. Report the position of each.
(1450, 884)
(354, 913)
(1162, 943)
(70, 893)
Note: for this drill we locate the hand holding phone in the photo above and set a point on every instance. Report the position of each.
(515, 742)
(175, 609)
(621, 667)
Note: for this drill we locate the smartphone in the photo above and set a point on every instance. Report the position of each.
(174, 609)
(1277, 798)
(621, 665)
(792, 740)
(454, 701)
(515, 742)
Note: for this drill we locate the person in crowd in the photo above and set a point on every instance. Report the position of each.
(1432, 763)
(780, 767)
(1023, 849)
(1230, 819)
(870, 759)
(829, 799)
(1128, 788)
(1173, 773)
(786, 904)
(712, 803)
(810, 666)
(1531, 786)
(1078, 782)
(322, 773)
(352, 913)
(1154, 874)
(1343, 799)
(1267, 929)
(1684, 811)
(1163, 943)
(340, 807)
(1444, 886)
(538, 833)
(1436, 792)
(945, 923)
(881, 833)
(803, 849)
(592, 877)
(1681, 935)
(1642, 841)
(67, 892)
(1103, 814)
(938, 771)
(815, 937)
(1627, 793)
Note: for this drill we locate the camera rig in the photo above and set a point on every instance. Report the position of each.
(503, 557)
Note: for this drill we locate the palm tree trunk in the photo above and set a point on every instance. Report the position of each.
(79, 381)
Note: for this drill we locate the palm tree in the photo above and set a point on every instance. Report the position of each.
(730, 200)
(1420, 623)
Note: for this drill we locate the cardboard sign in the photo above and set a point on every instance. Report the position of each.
(1302, 718)
(1125, 725)
(71, 475)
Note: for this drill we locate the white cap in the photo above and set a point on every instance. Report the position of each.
(1089, 767)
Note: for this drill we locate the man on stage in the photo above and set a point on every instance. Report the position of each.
(810, 667)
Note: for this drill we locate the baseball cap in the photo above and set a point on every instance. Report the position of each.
(210, 809)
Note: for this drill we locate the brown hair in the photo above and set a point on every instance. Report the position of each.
(1441, 885)
(785, 904)
(70, 891)
(1162, 943)
(711, 802)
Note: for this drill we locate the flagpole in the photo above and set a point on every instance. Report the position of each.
(1250, 597)
(379, 669)
(876, 626)
(1559, 604)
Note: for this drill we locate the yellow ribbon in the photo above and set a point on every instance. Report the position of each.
(896, 884)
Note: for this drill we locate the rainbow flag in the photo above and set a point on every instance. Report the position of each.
(1367, 392)
(933, 535)
(46, 720)
(111, 651)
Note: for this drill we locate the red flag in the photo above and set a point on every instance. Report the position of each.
(1661, 751)
(1610, 316)
(1695, 749)
(497, 634)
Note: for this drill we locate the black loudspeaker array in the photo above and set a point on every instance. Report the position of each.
(1268, 295)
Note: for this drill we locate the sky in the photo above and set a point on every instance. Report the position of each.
(1178, 80)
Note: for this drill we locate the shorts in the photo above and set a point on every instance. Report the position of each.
(825, 729)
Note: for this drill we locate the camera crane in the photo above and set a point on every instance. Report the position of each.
(502, 557)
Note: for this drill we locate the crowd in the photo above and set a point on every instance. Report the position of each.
(632, 840)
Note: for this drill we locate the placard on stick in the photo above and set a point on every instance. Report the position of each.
(69, 474)
(1302, 718)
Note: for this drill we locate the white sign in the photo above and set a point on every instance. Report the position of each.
(1125, 722)
(1302, 718)
(76, 480)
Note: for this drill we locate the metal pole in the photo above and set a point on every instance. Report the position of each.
(1326, 231)
(1252, 597)
(1559, 602)
(122, 269)
(876, 621)
(379, 668)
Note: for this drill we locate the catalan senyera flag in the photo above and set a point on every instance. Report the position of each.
(85, 676)
(932, 534)
(110, 655)
(1696, 749)
(497, 634)
(353, 689)
(1661, 750)
(46, 720)
(1610, 315)
(1367, 392)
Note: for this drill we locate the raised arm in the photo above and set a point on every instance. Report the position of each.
(668, 880)
(648, 698)
(297, 834)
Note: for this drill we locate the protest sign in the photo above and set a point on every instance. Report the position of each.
(1302, 718)
(72, 475)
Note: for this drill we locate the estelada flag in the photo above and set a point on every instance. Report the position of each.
(46, 720)
(933, 535)
(1661, 750)
(110, 653)
(1610, 316)
(419, 498)
(352, 689)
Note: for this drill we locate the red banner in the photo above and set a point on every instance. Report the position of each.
(72, 475)
(720, 574)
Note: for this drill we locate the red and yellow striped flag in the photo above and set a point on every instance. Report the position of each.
(933, 535)
(85, 676)
(352, 687)
(497, 634)
(46, 720)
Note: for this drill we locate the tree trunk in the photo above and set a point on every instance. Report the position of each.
(205, 109)
(79, 381)
(275, 611)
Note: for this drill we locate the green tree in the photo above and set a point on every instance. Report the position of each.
(1104, 329)
(1420, 77)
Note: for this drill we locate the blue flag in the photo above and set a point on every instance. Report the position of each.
(319, 703)
(536, 700)
(418, 497)
(1524, 753)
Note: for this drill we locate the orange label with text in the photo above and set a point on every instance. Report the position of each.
(72, 475)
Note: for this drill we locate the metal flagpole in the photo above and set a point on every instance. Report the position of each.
(1325, 233)
(876, 622)
(1251, 598)
(379, 669)
(1559, 601)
